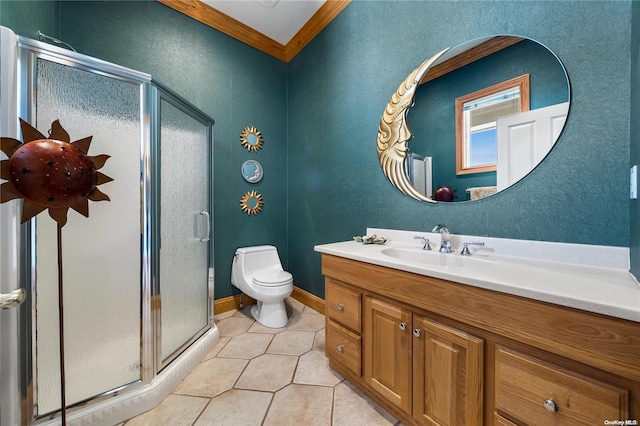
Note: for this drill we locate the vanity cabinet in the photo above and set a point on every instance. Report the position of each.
(388, 351)
(435, 352)
(426, 369)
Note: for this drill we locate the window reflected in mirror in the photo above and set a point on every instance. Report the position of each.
(422, 152)
(476, 122)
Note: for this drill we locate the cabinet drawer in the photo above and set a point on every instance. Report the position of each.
(529, 390)
(343, 346)
(498, 420)
(343, 305)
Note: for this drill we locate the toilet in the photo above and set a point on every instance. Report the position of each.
(257, 272)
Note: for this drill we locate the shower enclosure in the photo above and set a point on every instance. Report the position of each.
(137, 273)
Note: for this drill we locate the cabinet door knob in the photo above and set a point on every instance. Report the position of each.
(403, 326)
(340, 307)
(340, 348)
(417, 332)
(550, 406)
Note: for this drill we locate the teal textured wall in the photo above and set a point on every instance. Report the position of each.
(320, 115)
(233, 83)
(341, 82)
(28, 17)
(634, 211)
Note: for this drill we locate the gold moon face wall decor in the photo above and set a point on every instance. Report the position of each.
(251, 203)
(251, 139)
(393, 132)
(501, 140)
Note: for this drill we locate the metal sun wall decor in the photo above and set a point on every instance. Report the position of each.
(251, 139)
(51, 173)
(251, 203)
(394, 134)
(56, 174)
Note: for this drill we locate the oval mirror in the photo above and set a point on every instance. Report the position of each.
(483, 115)
(252, 171)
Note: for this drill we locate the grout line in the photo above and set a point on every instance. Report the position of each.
(266, 412)
(201, 412)
(293, 375)
(333, 403)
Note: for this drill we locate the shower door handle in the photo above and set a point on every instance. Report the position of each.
(208, 237)
(13, 299)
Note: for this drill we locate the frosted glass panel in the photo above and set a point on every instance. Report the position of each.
(101, 254)
(184, 193)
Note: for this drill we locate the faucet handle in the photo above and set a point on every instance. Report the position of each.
(465, 247)
(426, 245)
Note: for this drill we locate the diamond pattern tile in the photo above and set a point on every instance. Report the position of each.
(236, 407)
(262, 376)
(313, 402)
(246, 346)
(307, 322)
(292, 343)
(313, 369)
(212, 377)
(233, 326)
(268, 372)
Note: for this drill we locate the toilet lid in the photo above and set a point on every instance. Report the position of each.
(271, 277)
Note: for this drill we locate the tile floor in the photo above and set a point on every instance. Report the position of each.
(261, 376)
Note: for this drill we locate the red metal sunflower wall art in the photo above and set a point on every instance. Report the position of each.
(56, 174)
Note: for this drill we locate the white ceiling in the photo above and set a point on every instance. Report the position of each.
(280, 22)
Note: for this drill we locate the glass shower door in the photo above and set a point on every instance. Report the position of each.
(102, 253)
(185, 226)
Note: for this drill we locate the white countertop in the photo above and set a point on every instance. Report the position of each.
(603, 290)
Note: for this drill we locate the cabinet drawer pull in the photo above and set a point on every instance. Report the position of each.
(340, 307)
(340, 348)
(403, 326)
(417, 332)
(550, 406)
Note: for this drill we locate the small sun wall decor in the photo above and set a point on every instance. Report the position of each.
(251, 139)
(251, 203)
(52, 173)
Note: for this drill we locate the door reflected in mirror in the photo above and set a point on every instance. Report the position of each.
(522, 138)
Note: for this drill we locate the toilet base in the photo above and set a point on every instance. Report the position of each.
(270, 314)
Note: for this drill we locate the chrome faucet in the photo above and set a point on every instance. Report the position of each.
(465, 247)
(445, 242)
(426, 245)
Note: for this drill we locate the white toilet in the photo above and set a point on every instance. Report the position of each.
(257, 272)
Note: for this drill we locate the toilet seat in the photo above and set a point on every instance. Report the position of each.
(272, 277)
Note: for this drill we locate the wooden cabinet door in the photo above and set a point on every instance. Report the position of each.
(447, 375)
(387, 346)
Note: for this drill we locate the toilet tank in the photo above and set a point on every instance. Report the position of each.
(258, 257)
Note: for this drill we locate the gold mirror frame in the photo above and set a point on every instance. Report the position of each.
(245, 136)
(393, 132)
(251, 197)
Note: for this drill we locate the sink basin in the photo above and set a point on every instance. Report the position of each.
(435, 258)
